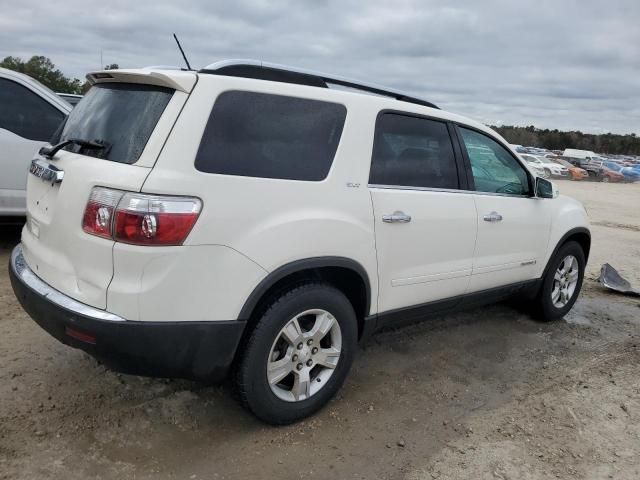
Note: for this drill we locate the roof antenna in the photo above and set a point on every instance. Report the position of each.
(182, 52)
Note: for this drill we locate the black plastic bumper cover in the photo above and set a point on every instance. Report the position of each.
(192, 350)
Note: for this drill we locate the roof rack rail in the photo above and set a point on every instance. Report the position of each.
(282, 73)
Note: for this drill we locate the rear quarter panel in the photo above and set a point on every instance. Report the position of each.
(271, 221)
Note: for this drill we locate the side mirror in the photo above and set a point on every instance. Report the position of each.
(545, 188)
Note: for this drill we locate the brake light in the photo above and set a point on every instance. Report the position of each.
(155, 220)
(99, 212)
(140, 219)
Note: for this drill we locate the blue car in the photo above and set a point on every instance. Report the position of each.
(631, 174)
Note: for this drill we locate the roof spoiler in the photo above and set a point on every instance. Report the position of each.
(177, 80)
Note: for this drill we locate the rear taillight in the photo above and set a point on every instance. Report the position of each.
(99, 212)
(141, 219)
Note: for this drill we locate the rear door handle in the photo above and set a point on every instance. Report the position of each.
(493, 217)
(396, 217)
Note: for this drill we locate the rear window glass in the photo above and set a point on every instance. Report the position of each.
(413, 152)
(120, 116)
(270, 136)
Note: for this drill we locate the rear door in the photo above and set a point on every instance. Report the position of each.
(131, 121)
(513, 225)
(425, 225)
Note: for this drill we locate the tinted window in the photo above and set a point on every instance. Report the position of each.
(270, 136)
(494, 169)
(25, 113)
(120, 116)
(411, 151)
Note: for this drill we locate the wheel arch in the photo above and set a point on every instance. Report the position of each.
(581, 235)
(346, 274)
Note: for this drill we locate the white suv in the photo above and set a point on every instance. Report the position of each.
(30, 113)
(248, 218)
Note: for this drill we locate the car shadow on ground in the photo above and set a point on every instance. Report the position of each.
(10, 232)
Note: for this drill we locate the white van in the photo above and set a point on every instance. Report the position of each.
(575, 153)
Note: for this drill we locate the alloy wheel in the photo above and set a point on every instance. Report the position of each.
(304, 355)
(565, 281)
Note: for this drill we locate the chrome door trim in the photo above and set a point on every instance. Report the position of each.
(445, 190)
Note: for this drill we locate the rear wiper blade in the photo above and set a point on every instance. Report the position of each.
(50, 151)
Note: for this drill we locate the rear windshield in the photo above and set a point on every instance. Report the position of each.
(120, 116)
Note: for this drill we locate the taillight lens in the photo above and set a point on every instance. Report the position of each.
(155, 220)
(142, 219)
(99, 212)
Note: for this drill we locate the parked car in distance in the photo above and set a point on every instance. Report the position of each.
(575, 173)
(535, 167)
(608, 175)
(583, 154)
(70, 98)
(629, 174)
(550, 168)
(248, 218)
(596, 170)
(30, 113)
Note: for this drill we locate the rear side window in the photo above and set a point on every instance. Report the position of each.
(120, 116)
(414, 152)
(26, 114)
(271, 136)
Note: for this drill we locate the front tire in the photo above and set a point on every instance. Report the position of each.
(562, 283)
(298, 355)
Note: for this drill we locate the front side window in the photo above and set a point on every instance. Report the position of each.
(414, 152)
(26, 114)
(271, 136)
(494, 169)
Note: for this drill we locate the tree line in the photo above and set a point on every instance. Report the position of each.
(43, 69)
(556, 140)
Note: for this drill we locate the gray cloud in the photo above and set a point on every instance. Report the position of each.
(564, 64)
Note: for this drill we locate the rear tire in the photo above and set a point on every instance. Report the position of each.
(289, 368)
(561, 284)
(605, 179)
(547, 173)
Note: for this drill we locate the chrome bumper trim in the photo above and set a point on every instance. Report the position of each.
(26, 275)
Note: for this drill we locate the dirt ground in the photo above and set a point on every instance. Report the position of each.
(483, 394)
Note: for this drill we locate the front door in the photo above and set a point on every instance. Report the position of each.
(513, 225)
(425, 225)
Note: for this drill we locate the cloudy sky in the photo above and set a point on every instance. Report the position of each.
(557, 64)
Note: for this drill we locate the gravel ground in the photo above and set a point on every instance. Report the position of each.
(482, 394)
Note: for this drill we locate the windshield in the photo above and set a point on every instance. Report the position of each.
(562, 162)
(120, 116)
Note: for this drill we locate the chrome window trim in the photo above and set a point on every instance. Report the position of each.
(446, 190)
(31, 280)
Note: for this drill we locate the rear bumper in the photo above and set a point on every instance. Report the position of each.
(195, 350)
